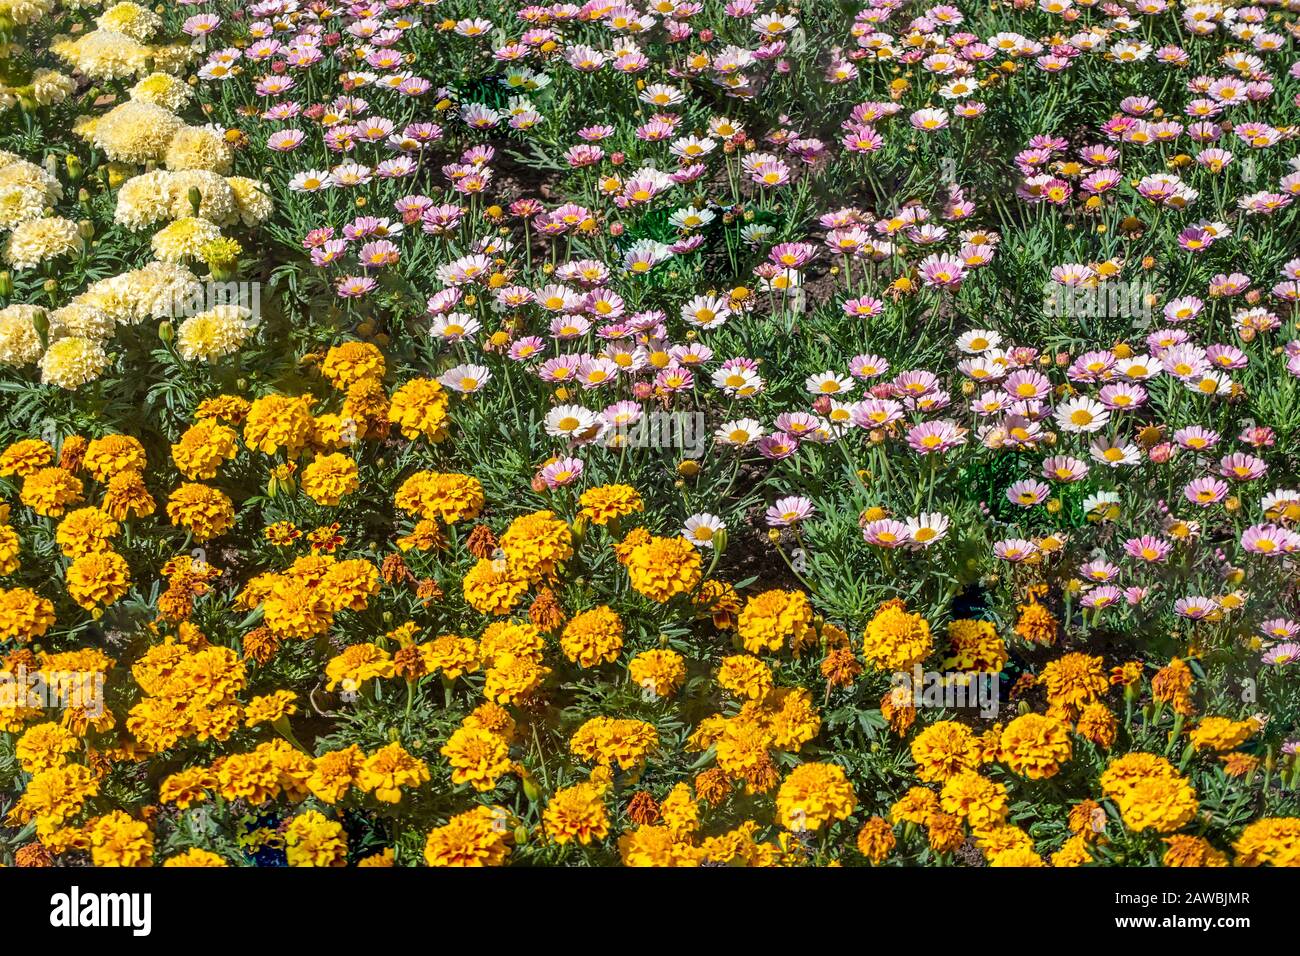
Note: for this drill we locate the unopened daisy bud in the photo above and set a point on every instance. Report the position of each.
(774, 535)
(688, 468)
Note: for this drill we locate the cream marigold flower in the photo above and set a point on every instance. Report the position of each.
(72, 362)
(40, 240)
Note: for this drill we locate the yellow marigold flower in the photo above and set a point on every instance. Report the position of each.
(56, 795)
(1002, 838)
(1221, 733)
(277, 421)
(770, 618)
(493, 718)
(944, 832)
(203, 448)
(419, 408)
(268, 708)
(126, 495)
(107, 456)
(311, 839)
(658, 672)
(356, 665)
(520, 638)
(876, 839)
(1163, 804)
(349, 585)
(896, 640)
(49, 491)
(477, 757)
(605, 503)
(43, 746)
(1035, 746)
(334, 773)
(227, 408)
(512, 679)
(493, 587)
(118, 840)
(609, 740)
(537, 544)
(432, 494)
(1074, 852)
(195, 857)
(943, 750)
(451, 655)
(388, 770)
(814, 795)
(1172, 685)
(661, 568)
(1097, 724)
(97, 580)
(85, 531)
(26, 456)
(593, 637)
(743, 751)
(1074, 681)
(656, 846)
(296, 608)
(1192, 851)
(1036, 623)
(203, 511)
(794, 720)
(1272, 841)
(10, 546)
(1018, 857)
(24, 614)
(745, 676)
(352, 361)
(576, 813)
(981, 802)
(329, 477)
(1123, 773)
(1149, 792)
(187, 787)
(974, 646)
(478, 837)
